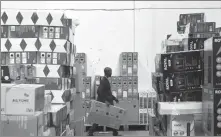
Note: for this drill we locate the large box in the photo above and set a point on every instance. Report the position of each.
(181, 81)
(184, 19)
(177, 62)
(211, 111)
(22, 125)
(212, 62)
(4, 87)
(123, 64)
(27, 98)
(193, 43)
(111, 116)
(129, 63)
(135, 63)
(132, 108)
(119, 88)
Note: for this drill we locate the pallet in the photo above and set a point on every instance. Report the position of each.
(122, 128)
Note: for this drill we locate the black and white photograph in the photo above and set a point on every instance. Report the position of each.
(110, 68)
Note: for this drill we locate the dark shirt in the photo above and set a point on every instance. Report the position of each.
(104, 92)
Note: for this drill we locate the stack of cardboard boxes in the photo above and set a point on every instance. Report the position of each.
(179, 72)
(37, 48)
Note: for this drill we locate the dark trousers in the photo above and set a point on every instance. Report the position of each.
(94, 128)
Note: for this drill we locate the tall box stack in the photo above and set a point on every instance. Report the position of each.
(180, 72)
(37, 48)
(212, 85)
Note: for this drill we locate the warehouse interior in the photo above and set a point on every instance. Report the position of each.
(143, 42)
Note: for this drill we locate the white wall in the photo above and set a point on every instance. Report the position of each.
(103, 35)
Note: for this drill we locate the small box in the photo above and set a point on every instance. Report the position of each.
(106, 116)
(135, 63)
(184, 19)
(181, 125)
(193, 43)
(23, 31)
(64, 33)
(27, 98)
(130, 88)
(123, 62)
(203, 35)
(41, 57)
(4, 31)
(87, 85)
(3, 58)
(29, 57)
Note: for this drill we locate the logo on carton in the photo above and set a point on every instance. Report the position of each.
(165, 63)
(217, 91)
(217, 40)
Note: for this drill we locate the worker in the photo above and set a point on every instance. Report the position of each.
(105, 96)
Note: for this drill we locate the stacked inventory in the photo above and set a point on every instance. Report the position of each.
(179, 71)
(125, 87)
(212, 88)
(37, 48)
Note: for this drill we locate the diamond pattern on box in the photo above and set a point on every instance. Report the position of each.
(46, 70)
(4, 17)
(38, 44)
(23, 44)
(19, 17)
(52, 45)
(8, 45)
(34, 17)
(49, 18)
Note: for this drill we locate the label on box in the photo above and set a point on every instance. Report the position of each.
(57, 35)
(88, 92)
(130, 92)
(12, 28)
(51, 35)
(129, 70)
(97, 82)
(124, 94)
(135, 66)
(55, 61)
(83, 95)
(124, 66)
(45, 35)
(179, 128)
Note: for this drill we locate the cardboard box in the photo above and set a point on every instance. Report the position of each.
(23, 31)
(119, 88)
(29, 57)
(203, 35)
(181, 125)
(50, 71)
(87, 88)
(184, 19)
(114, 81)
(156, 79)
(201, 27)
(212, 62)
(106, 116)
(27, 98)
(177, 62)
(143, 116)
(4, 88)
(211, 111)
(96, 85)
(59, 58)
(130, 88)
(129, 63)
(132, 108)
(135, 87)
(193, 43)
(5, 78)
(4, 31)
(181, 81)
(23, 125)
(123, 64)
(3, 58)
(143, 96)
(135, 63)
(125, 87)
